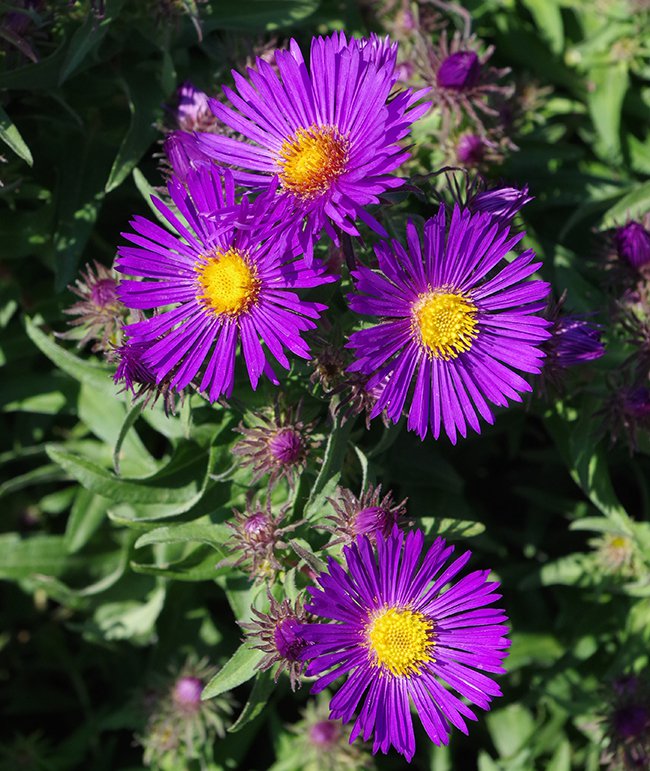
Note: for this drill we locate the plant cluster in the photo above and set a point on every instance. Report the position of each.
(381, 293)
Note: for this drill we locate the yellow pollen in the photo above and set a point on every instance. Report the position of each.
(446, 323)
(401, 641)
(228, 284)
(312, 159)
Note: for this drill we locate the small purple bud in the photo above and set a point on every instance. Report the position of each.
(183, 153)
(459, 71)
(636, 403)
(132, 368)
(633, 244)
(187, 692)
(404, 72)
(104, 292)
(375, 520)
(631, 720)
(503, 203)
(192, 106)
(325, 733)
(575, 341)
(626, 684)
(288, 638)
(470, 149)
(287, 446)
(257, 523)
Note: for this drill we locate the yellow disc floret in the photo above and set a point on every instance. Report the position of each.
(228, 283)
(445, 323)
(401, 641)
(312, 159)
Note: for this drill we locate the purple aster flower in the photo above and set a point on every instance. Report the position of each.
(230, 275)
(398, 636)
(453, 323)
(279, 634)
(503, 203)
(633, 244)
(330, 133)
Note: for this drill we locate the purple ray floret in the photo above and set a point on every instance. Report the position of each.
(456, 323)
(226, 276)
(404, 626)
(329, 131)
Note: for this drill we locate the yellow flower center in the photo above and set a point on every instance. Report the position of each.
(228, 282)
(312, 159)
(446, 323)
(401, 641)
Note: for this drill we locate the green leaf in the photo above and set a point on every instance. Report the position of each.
(37, 476)
(255, 15)
(510, 728)
(129, 620)
(561, 758)
(48, 393)
(605, 100)
(132, 415)
(11, 136)
(533, 648)
(173, 490)
(454, 529)
(145, 97)
(548, 19)
(87, 514)
(586, 459)
(634, 204)
(199, 565)
(239, 668)
(254, 707)
(87, 37)
(197, 531)
(147, 191)
(335, 451)
(38, 554)
(83, 168)
(42, 76)
(303, 550)
(94, 375)
(181, 486)
(106, 419)
(573, 570)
